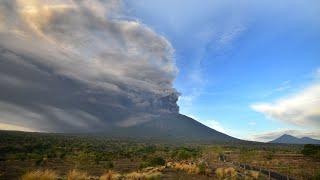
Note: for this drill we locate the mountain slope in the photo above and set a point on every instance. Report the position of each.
(288, 139)
(172, 127)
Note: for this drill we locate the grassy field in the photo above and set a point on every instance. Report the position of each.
(58, 156)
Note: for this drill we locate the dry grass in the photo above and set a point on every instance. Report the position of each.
(146, 173)
(40, 175)
(190, 168)
(253, 174)
(77, 175)
(223, 173)
(110, 175)
(153, 169)
(220, 173)
(143, 175)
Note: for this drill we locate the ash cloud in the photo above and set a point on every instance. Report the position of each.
(68, 66)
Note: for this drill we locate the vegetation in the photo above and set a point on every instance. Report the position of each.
(311, 150)
(40, 175)
(61, 156)
(226, 173)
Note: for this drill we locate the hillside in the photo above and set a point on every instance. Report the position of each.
(170, 126)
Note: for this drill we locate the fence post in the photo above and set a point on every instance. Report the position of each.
(269, 174)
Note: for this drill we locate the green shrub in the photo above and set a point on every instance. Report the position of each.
(143, 165)
(311, 150)
(108, 165)
(157, 161)
(316, 176)
(202, 168)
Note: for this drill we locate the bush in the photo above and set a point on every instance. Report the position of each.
(110, 175)
(143, 175)
(108, 165)
(269, 155)
(184, 154)
(143, 165)
(223, 173)
(77, 175)
(157, 161)
(190, 168)
(40, 175)
(219, 173)
(311, 150)
(254, 174)
(316, 176)
(202, 168)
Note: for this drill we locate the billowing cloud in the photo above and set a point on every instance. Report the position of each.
(78, 65)
(271, 135)
(301, 109)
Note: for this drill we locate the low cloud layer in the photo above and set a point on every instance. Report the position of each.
(301, 109)
(80, 66)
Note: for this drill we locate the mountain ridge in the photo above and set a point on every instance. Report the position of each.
(289, 139)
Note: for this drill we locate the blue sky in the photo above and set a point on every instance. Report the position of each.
(233, 55)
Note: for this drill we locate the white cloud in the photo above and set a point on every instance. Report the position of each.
(215, 125)
(252, 123)
(301, 109)
(229, 36)
(210, 123)
(271, 135)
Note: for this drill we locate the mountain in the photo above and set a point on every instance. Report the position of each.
(288, 139)
(169, 127)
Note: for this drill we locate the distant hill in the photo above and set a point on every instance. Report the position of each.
(288, 139)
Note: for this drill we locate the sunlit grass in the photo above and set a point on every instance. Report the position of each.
(77, 175)
(40, 175)
(110, 175)
(223, 173)
(191, 168)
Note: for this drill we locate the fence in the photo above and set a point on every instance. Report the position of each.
(271, 174)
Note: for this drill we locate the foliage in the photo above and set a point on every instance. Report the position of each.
(98, 153)
(157, 161)
(311, 150)
(316, 176)
(185, 153)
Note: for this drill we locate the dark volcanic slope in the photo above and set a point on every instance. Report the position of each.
(171, 126)
(288, 139)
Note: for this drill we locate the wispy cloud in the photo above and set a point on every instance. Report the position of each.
(252, 123)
